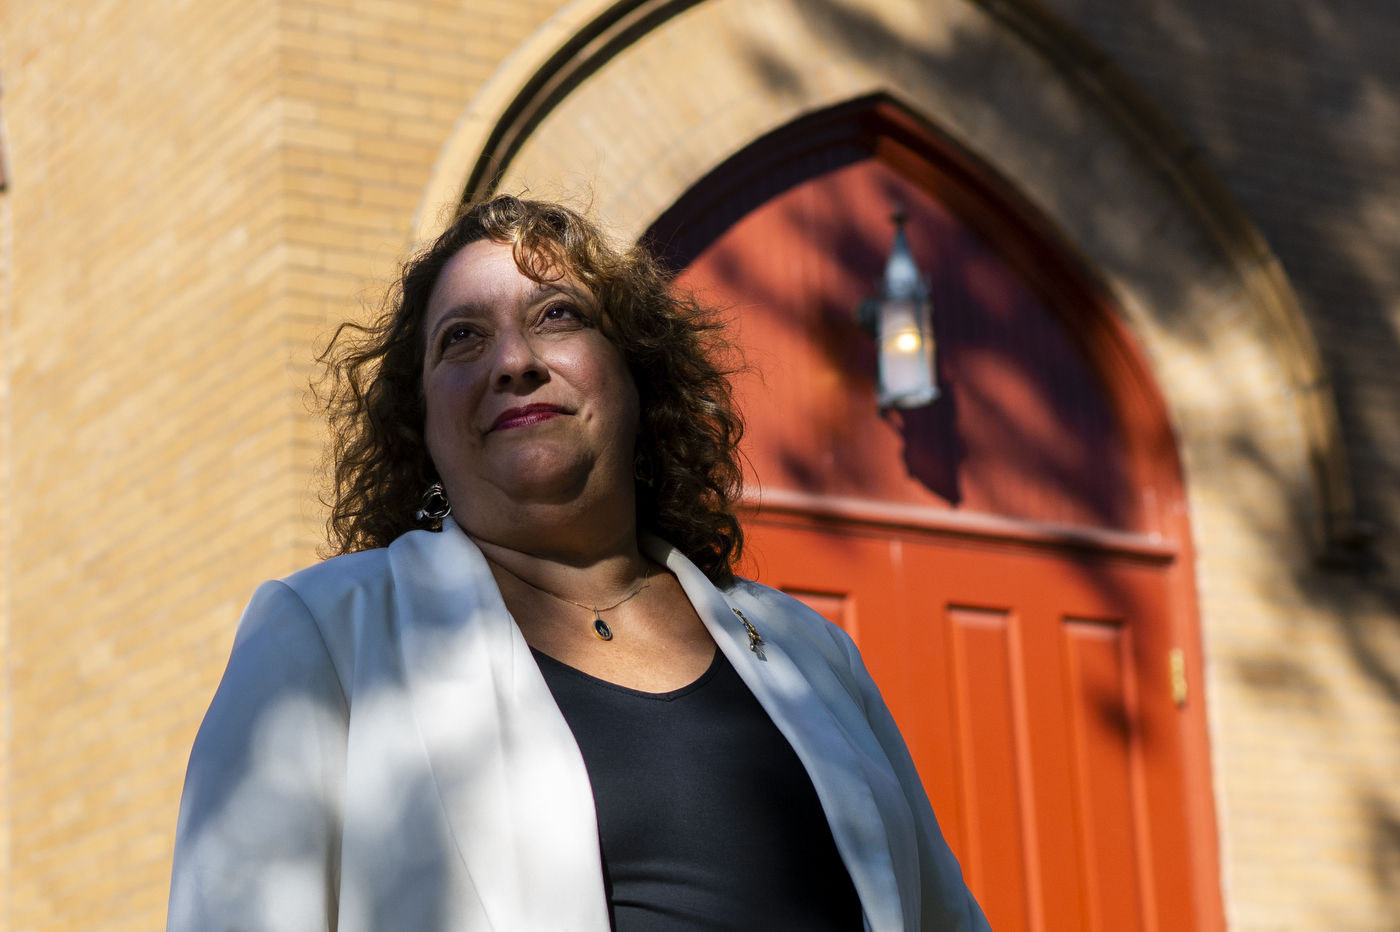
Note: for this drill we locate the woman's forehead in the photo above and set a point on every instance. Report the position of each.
(483, 268)
(486, 275)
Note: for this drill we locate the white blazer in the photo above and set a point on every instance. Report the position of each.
(384, 754)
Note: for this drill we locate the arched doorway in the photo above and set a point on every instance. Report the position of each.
(1013, 561)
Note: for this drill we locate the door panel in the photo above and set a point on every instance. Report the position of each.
(837, 608)
(994, 759)
(1104, 745)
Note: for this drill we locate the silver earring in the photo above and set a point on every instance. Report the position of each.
(435, 505)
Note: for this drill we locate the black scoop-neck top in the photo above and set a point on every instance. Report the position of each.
(706, 817)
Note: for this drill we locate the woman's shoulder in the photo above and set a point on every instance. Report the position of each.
(354, 587)
(333, 578)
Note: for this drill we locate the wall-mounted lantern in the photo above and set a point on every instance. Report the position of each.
(900, 321)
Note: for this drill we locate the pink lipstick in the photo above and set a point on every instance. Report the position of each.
(526, 416)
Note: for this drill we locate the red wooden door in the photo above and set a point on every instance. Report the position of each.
(1029, 701)
(997, 556)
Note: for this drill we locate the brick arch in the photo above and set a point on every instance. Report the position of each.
(721, 73)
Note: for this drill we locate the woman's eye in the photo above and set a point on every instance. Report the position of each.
(456, 334)
(562, 310)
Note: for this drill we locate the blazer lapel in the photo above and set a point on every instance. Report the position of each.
(870, 818)
(510, 775)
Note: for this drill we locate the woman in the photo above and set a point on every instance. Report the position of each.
(529, 693)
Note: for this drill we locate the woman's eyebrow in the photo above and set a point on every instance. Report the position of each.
(456, 312)
(547, 289)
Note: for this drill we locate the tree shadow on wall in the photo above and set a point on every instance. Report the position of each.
(1293, 103)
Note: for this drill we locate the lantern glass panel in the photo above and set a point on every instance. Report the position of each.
(907, 375)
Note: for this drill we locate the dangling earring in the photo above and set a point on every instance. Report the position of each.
(642, 469)
(435, 504)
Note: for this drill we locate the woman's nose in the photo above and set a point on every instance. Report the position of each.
(516, 361)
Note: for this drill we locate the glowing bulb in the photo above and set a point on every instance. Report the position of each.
(906, 342)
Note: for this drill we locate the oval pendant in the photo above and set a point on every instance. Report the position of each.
(600, 628)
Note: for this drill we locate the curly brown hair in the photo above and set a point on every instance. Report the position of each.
(371, 389)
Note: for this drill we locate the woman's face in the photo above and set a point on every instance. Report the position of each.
(529, 406)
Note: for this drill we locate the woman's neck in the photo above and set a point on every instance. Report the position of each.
(591, 574)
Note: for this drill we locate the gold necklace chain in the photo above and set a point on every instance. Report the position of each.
(600, 627)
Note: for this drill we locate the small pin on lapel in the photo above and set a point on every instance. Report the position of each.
(755, 639)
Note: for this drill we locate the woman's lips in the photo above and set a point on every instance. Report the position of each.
(526, 416)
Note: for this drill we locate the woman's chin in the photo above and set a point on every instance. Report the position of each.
(544, 479)
(527, 491)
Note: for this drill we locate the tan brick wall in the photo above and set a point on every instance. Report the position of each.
(199, 190)
(148, 420)
(196, 189)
